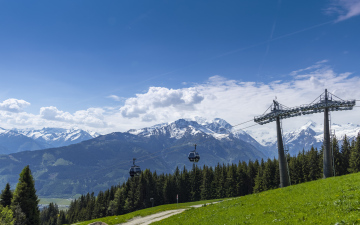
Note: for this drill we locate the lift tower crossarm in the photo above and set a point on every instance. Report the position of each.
(325, 103)
(277, 113)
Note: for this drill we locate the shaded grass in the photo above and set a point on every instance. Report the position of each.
(329, 201)
(112, 220)
(58, 201)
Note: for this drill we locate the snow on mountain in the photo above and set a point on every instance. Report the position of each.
(217, 128)
(263, 136)
(56, 137)
(12, 141)
(16, 140)
(176, 129)
(308, 135)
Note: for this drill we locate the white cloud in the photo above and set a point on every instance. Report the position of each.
(14, 105)
(52, 113)
(232, 100)
(237, 101)
(115, 97)
(345, 9)
(92, 117)
(160, 97)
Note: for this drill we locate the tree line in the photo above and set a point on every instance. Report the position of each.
(230, 180)
(226, 180)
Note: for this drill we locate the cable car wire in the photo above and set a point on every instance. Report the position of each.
(154, 154)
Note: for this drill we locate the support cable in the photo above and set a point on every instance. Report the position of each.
(159, 153)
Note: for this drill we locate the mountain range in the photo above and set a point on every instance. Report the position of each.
(17, 140)
(95, 164)
(311, 134)
(102, 161)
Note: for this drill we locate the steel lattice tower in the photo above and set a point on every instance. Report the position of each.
(325, 103)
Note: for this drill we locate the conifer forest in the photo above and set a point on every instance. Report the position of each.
(204, 183)
(222, 181)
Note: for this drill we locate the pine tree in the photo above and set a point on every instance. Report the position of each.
(314, 170)
(242, 179)
(99, 208)
(276, 179)
(6, 196)
(195, 179)
(354, 162)
(251, 174)
(268, 174)
(184, 192)
(206, 184)
(230, 183)
(61, 218)
(337, 160)
(49, 215)
(25, 196)
(259, 182)
(345, 156)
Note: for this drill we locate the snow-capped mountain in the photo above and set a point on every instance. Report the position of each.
(312, 134)
(217, 128)
(56, 137)
(12, 141)
(16, 140)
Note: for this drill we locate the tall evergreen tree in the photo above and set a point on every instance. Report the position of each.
(230, 183)
(314, 171)
(206, 184)
(49, 215)
(354, 162)
(259, 181)
(6, 196)
(337, 160)
(25, 196)
(242, 179)
(345, 156)
(184, 193)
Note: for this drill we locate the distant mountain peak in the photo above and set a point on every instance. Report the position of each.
(36, 139)
(310, 124)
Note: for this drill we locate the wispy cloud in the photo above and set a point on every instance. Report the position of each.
(345, 9)
(115, 97)
(312, 67)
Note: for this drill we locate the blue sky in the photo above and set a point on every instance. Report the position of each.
(115, 65)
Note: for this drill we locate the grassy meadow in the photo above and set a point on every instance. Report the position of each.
(329, 201)
(58, 201)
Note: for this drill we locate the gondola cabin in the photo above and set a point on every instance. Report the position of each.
(194, 156)
(135, 170)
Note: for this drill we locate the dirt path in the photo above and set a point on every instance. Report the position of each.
(157, 216)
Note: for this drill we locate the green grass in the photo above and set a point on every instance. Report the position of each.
(111, 220)
(58, 201)
(328, 201)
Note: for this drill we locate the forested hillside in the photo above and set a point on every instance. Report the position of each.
(93, 165)
(228, 180)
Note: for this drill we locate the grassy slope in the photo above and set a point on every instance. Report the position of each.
(58, 201)
(329, 201)
(111, 220)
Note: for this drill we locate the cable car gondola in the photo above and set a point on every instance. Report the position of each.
(134, 170)
(194, 156)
